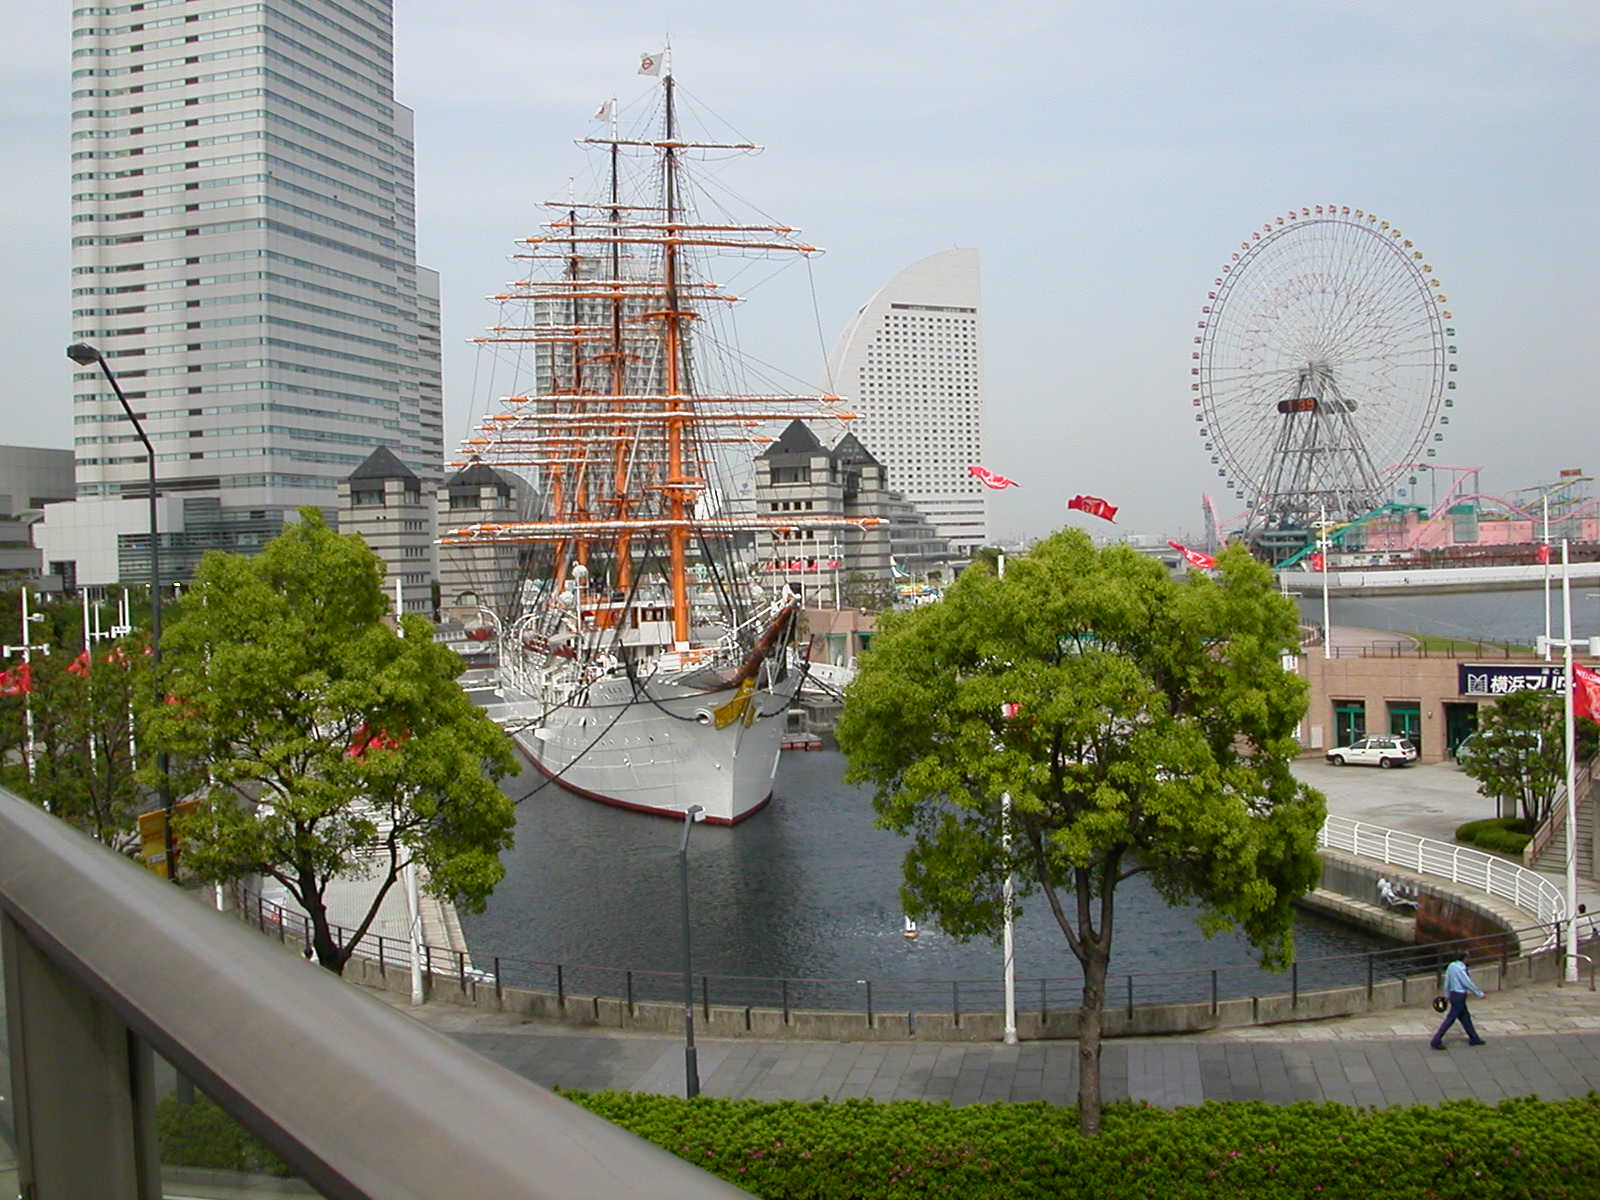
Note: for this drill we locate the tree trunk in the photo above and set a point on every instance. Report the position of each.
(1094, 963)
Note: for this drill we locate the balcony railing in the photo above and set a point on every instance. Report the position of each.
(105, 964)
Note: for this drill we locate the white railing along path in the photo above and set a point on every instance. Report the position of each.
(1527, 890)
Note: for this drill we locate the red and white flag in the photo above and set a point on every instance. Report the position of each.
(1317, 561)
(650, 64)
(990, 480)
(603, 113)
(1585, 692)
(18, 682)
(1094, 506)
(1542, 554)
(1194, 558)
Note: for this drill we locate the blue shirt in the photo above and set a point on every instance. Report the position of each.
(1456, 979)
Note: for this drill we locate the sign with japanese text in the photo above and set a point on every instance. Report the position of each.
(1500, 678)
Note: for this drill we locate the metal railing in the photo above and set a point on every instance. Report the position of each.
(1527, 890)
(574, 981)
(1557, 820)
(105, 962)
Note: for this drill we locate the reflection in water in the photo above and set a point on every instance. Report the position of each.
(808, 887)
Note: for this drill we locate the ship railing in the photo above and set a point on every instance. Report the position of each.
(579, 990)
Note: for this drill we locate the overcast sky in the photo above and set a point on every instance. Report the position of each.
(1103, 158)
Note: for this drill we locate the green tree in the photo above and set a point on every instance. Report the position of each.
(320, 743)
(84, 757)
(1519, 751)
(1154, 734)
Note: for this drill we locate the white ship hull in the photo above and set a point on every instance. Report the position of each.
(662, 752)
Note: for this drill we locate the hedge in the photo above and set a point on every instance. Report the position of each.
(1237, 1150)
(1500, 835)
(864, 1149)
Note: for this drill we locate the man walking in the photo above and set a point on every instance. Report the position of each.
(1457, 983)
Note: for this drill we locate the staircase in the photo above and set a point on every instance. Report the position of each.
(1547, 849)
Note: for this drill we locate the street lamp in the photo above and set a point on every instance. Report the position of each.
(1570, 757)
(84, 355)
(691, 1066)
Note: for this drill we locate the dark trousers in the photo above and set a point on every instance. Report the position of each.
(1458, 1012)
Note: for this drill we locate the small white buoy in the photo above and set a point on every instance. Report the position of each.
(910, 930)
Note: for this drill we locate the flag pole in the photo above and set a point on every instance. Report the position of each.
(1008, 947)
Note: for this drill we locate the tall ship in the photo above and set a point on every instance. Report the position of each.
(641, 662)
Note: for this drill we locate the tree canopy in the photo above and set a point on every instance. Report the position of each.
(1519, 751)
(321, 743)
(1153, 730)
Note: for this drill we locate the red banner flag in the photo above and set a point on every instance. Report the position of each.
(1317, 561)
(1194, 558)
(18, 682)
(1094, 506)
(80, 665)
(1542, 554)
(990, 480)
(1585, 692)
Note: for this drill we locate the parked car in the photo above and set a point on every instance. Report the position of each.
(1385, 750)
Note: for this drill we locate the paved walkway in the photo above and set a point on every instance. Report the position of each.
(1542, 1040)
(1376, 1061)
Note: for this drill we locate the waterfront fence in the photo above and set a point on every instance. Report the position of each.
(1044, 995)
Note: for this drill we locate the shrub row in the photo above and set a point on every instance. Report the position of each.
(1242, 1150)
(1499, 835)
(904, 1150)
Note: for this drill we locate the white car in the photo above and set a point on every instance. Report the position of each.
(1385, 750)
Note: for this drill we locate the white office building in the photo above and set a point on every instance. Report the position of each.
(911, 364)
(244, 254)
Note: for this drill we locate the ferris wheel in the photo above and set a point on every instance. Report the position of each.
(1323, 359)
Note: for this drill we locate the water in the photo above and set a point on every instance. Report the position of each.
(807, 888)
(1513, 615)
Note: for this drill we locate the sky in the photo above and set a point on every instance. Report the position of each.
(1104, 159)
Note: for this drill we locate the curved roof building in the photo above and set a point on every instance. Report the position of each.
(911, 363)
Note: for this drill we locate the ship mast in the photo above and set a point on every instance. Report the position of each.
(678, 413)
(626, 460)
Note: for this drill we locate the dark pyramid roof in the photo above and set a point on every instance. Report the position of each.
(850, 450)
(382, 464)
(796, 439)
(476, 475)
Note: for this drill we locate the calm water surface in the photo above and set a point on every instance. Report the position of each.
(805, 888)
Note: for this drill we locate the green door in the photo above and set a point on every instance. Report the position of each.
(1459, 721)
(1349, 721)
(1405, 719)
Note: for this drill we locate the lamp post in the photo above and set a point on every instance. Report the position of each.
(84, 355)
(1008, 947)
(691, 1066)
(1569, 755)
(1322, 557)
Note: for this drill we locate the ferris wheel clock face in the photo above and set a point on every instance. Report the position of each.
(1322, 366)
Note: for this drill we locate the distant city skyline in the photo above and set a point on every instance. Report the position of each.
(1103, 162)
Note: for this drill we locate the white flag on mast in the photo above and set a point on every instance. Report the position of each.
(650, 64)
(603, 113)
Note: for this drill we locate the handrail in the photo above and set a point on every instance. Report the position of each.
(1557, 820)
(1527, 890)
(359, 1099)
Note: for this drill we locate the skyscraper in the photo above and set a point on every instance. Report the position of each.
(244, 253)
(911, 363)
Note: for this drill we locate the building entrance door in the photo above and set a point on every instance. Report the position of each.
(1459, 721)
(1405, 719)
(1349, 721)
